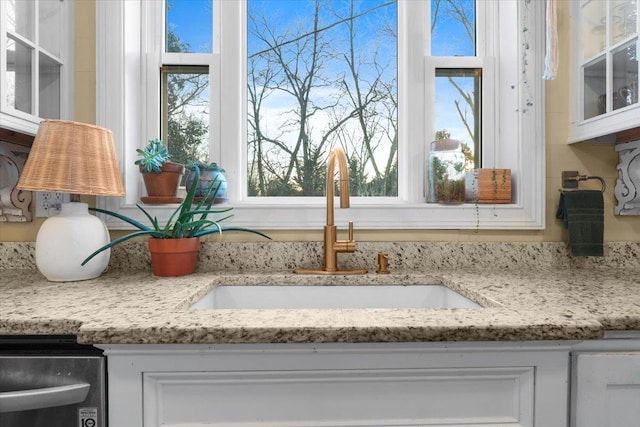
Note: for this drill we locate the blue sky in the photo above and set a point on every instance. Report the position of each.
(191, 21)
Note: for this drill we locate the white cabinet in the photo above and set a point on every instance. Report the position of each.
(604, 87)
(607, 389)
(36, 69)
(422, 384)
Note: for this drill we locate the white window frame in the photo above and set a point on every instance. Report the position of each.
(128, 99)
(11, 118)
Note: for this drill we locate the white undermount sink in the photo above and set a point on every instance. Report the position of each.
(331, 296)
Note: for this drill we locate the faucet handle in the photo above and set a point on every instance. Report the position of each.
(351, 231)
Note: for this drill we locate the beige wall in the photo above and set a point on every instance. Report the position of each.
(591, 159)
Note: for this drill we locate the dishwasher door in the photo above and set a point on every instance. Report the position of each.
(52, 387)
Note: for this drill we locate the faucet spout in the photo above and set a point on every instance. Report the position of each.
(332, 246)
(337, 155)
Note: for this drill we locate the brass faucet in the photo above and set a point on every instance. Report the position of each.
(331, 243)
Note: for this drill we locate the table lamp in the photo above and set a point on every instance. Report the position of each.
(76, 158)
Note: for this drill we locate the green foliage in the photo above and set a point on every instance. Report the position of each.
(154, 156)
(443, 134)
(449, 188)
(186, 133)
(184, 222)
(384, 184)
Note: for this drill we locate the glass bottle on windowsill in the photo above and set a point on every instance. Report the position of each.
(446, 173)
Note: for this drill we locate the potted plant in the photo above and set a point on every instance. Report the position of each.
(161, 176)
(209, 172)
(174, 246)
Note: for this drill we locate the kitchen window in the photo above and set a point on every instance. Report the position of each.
(35, 56)
(273, 152)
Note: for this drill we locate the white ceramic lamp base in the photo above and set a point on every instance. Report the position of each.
(65, 240)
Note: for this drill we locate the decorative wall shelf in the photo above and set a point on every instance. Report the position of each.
(627, 189)
(14, 203)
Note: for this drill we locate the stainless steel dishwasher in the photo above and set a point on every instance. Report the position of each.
(51, 381)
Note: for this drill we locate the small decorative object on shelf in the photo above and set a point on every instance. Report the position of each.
(185, 226)
(488, 186)
(161, 176)
(209, 172)
(446, 172)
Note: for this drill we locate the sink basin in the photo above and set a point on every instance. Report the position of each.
(331, 296)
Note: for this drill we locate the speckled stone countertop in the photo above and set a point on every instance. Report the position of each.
(552, 299)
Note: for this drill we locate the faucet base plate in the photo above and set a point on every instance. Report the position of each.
(325, 272)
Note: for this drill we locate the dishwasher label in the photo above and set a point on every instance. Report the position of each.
(88, 417)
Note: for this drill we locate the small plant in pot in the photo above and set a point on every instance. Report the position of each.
(209, 172)
(174, 246)
(161, 176)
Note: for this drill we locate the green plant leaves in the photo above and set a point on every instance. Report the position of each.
(185, 221)
(154, 155)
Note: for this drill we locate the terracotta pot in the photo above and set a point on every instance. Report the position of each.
(165, 183)
(174, 257)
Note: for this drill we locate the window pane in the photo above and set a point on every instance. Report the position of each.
(20, 19)
(49, 88)
(595, 88)
(623, 19)
(625, 76)
(594, 28)
(458, 110)
(50, 25)
(321, 75)
(19, 63)
(189, 26)
(185, 111)
(453, 28)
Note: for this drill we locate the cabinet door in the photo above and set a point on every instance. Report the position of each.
(605, 81)
(606, 390)
(339, 385)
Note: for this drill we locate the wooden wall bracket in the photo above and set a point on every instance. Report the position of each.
(14, 150)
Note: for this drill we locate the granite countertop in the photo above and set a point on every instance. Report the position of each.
(552, 303)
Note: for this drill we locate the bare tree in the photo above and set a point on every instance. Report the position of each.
(295, 69)
(330, 100)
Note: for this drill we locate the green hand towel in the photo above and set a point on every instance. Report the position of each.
(582, 212)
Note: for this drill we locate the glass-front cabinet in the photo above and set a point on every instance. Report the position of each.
(604, 68)
(35, 42)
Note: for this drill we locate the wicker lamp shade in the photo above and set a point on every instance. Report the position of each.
(72, 157)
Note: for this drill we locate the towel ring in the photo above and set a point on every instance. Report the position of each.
(570, 180)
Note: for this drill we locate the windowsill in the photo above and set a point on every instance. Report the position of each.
(311, 214)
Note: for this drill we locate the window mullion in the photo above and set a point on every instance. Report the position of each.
(152, 40)
(22, 39)
(179, 58)
(229, 94)
(413, 43)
